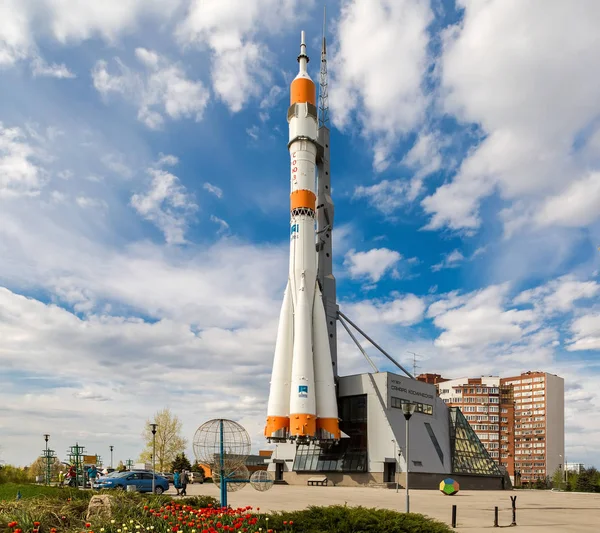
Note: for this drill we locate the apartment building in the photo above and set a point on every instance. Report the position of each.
(489, 407)
(520, 419)
(539, 428)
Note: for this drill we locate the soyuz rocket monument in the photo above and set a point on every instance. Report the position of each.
(302, 400)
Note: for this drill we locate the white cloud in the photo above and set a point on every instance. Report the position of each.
(372, 264)
(531, 95)
(213, 189)
(40, 68)
(578, 205)
(559, 295)
(403, 310)
(87, 202)
(480, 320)
(167, 204)
(167, 160)
(253, 132)
(387, 196)
(240, 62)
(451, 260)
(162, 88)
(378, 68)
(72, 21)
(223, 226)
(20, 171)
(586, 333)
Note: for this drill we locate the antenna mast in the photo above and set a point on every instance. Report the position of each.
(323, 82)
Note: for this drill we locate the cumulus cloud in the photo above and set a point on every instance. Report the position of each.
(160, 88)
(451, 260)
(372, 264)
(527, 154)
(585, 333)
(39, 67)
(167, 204)
(232, 30)
(481, 320)
(402, 310)
(559, 295)
(378, 69)
(213, 189)
(388, 196)
(223, 226)
(20, 171)
(23, 23)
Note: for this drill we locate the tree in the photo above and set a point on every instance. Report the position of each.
(38, 467)
(558, 478)
(181, 462)
(169, 441)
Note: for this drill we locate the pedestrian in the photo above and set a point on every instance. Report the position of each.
(177, 481)
(92, 474)
(61, 478)
(184, 482)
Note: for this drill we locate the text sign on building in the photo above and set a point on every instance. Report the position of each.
(409, 390)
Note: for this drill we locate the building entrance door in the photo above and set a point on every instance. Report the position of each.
(278, 471)
(389, 472)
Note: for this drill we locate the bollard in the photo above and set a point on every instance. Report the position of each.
(495, 516)
(513, 499)
(454, 516)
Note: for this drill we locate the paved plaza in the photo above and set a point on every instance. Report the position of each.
(537, 511)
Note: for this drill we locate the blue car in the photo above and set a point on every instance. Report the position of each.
(142, 481)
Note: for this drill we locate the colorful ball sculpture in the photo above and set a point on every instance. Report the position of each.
(449, 487)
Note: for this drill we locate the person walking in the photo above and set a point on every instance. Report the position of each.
(184, 482)
(177, 481)
(61, 478)
(92, 475)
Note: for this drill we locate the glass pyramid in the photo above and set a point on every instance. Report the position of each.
(469, 455)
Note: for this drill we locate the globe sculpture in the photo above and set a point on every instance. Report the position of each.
(223, 445)
(449, 487)
(262, 480)
(234, 440)
(237, 478)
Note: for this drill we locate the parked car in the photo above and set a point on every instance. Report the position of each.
(196, 477)
(168, 476)
(142, 481)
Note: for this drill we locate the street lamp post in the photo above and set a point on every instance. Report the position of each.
(408, 408)
(111, 455)
(47, 475)
(154, 426)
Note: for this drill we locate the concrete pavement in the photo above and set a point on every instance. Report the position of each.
(537, 511)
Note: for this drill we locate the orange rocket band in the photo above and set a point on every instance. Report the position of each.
(303, 90)
(275, 423)
(303, 198)
(331, 425)
(303, 425)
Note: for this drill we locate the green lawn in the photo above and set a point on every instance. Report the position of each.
(8, 491)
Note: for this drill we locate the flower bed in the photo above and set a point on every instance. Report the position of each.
(135, 513)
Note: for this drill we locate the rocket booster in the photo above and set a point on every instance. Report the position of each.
(302, 401)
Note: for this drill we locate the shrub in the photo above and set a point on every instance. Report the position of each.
(343, 519)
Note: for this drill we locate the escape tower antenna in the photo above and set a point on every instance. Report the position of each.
(323, 89)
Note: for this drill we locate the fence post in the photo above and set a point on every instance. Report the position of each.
(495, 516)
(513, 499)
(454, 516)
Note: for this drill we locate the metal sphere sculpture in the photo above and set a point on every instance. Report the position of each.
(207, 444)
(262, 480)
(449, 487)
(237, 472)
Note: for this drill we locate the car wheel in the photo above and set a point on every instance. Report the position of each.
(158, 490)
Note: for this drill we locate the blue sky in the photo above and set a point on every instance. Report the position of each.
(144, 203)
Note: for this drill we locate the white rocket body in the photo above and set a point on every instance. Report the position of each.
(302, 401)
